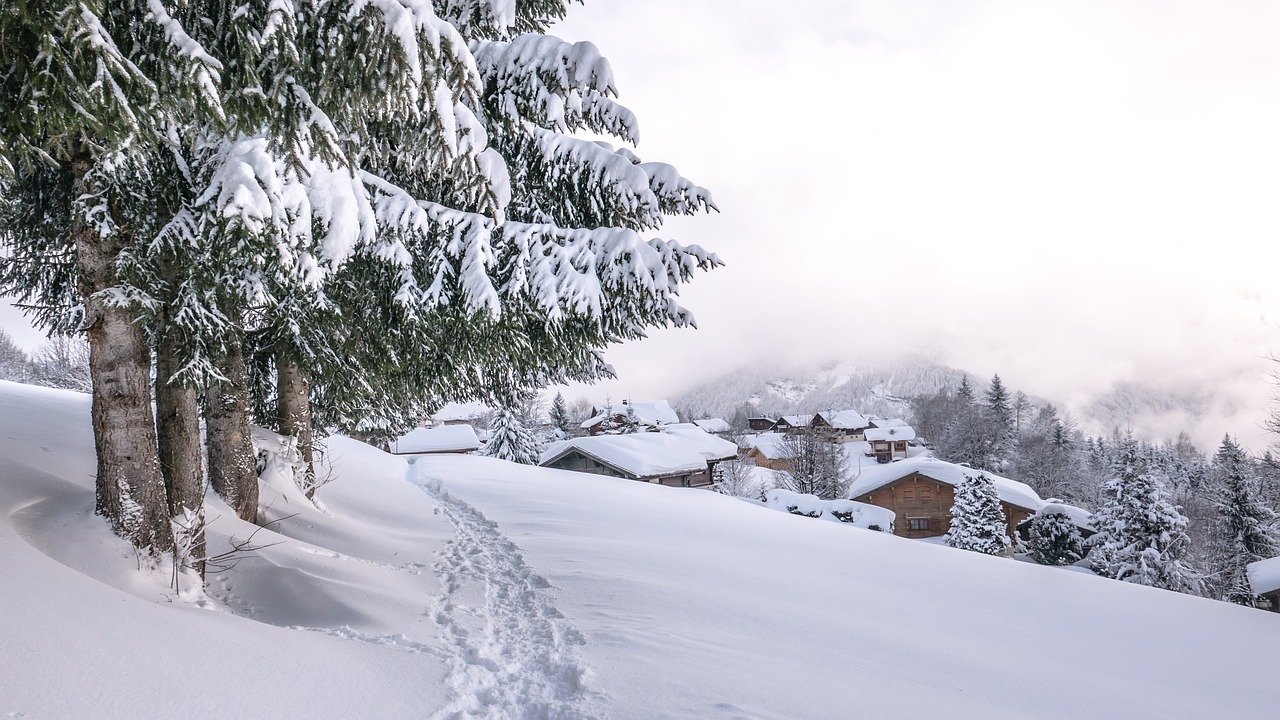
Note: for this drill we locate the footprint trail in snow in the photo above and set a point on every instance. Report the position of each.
(510, 650)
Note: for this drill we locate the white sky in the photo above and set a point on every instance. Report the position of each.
(1068, 193)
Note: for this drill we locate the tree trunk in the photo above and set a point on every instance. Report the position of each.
(293, 404)
(232, 470)
(130, 490)
(178, 431)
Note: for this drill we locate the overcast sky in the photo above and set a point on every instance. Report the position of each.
(1068, 193)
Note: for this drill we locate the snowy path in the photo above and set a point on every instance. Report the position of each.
(511, 650)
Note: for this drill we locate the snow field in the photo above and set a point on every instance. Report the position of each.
(465, 587)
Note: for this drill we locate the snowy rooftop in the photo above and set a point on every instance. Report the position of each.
(649, 413)
(888, 422)
(769, 444)
(1079, 516)
(845, 419)
(460, 411)
(898, 432)
(877, 476)
(1264, 575)
(797, 420)
(677, 449)
(713, 425)
(441, 439)
(863, 515)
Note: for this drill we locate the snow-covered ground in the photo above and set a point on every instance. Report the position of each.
(457, 587)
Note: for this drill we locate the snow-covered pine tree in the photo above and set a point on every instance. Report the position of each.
(1055, 540)
(82, 121)
(14, 363)
(630, 421)
(510, 440)
(559, 415)
(977, 521)
(1245, 529)
(1141, 536)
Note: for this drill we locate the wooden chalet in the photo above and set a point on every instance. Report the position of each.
(760, 424)
(889, 443)
(441, 439)
(681, 455)
(650, 415)
(843, 425)
(921, 492)
(790, 424)
(1264, 581)
(766, 451)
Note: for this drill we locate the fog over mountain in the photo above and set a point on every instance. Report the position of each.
(1151, 412)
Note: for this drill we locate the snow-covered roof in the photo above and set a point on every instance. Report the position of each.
(1080, 517)
(440, 439)
(649, 413)
(713, 425)
(453, 412)
(797, 420)
(1264, 575)
(887, 422)
(769, 444)
(845, 419)
(640, 455)
(860, 514)
(899, 432)
(877, 476)
(709, 446)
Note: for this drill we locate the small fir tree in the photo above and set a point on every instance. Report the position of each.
(977, 521)
(1055, 540)
(1245, 527)
(630, 421)
(510, 440)
(559, 415)
(1141, 536)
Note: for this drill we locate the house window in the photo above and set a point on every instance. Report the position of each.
(925, 494)
(908, 494)
(919, 523)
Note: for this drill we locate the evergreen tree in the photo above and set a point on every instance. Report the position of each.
(1141, 536)
(14, 363)
(1055, 540)
(559, 415)
(977, 521)
(1245, 529)
(510, 440)
(630, 421)
(965, 391)
(610, 425)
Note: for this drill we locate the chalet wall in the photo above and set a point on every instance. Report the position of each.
(925, 500)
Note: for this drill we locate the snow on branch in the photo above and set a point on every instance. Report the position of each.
(553, 84)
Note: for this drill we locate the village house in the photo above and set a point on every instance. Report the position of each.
(1264, 581)
(650, 415)
(715, 426)
(760, 424)
(843, 425)
(921, 491)
(680, 454)
(889, 443)
(766, 451)
(791, 424)
(458, 438)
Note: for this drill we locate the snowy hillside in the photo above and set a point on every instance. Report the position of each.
(466, 587)
(881, 389)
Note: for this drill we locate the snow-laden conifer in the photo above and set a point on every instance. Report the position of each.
(510, 440)
(1141, 535)
(977, 521)
(1245, 529)
(1055, 540)
(559, 415)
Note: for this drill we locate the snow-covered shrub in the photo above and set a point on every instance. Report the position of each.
(1055, 540)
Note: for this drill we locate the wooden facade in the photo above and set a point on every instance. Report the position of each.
(760, 424)
(922, 506)
(886, 450)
